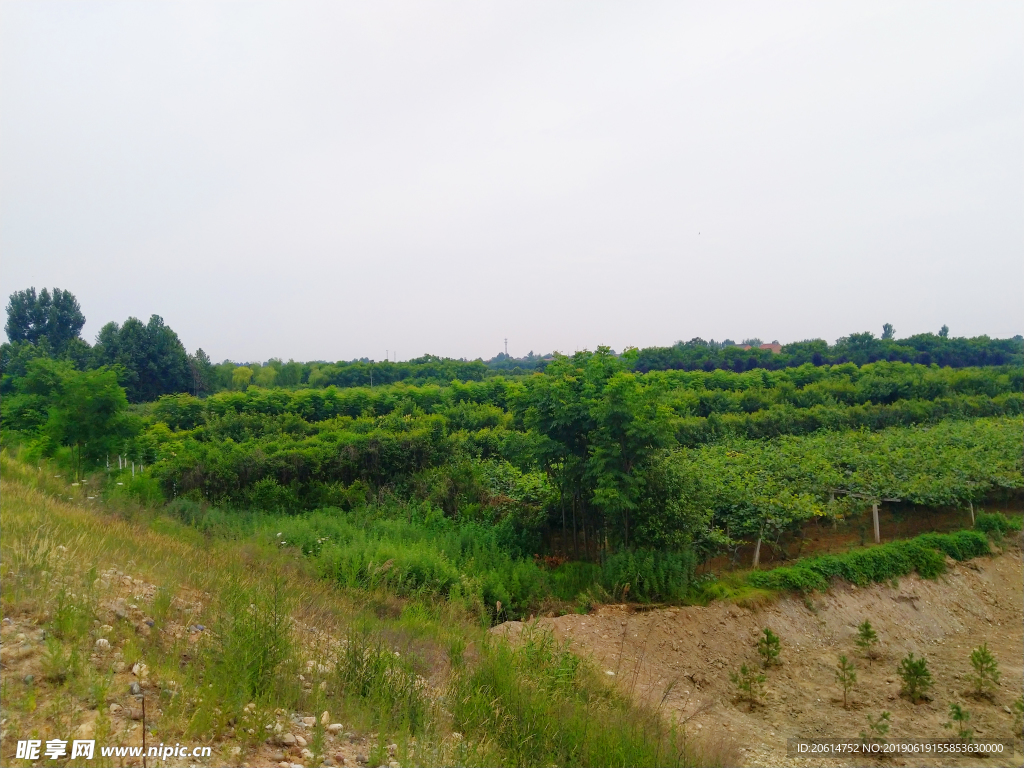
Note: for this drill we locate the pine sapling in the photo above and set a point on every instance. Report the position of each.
(878, 728)
(986, 671)
(867, 640)
(958, 719)
(750, 683)
(768, 647)
(917, 679)
(1018, 716)
(846, 676)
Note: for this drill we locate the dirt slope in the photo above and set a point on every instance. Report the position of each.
(680, 659)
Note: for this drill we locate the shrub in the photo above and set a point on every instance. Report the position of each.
(867, 639)
(997, 523)
(750, 684)
(649, 574)
(768, 647)
(917, 679)
(986, 670)
(846, 676)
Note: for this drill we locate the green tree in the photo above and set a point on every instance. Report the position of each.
(917, 679)
(87, 413)
(944, 332)
(769, 646)
(56, 317)
(750, 684)
(265, 376)
(867, 639)
(241, 377)
(958, 719)
(846, 676)
(631, 425)
(152, 357)
(888, 332)
(878, 728)
(202, 372)
(986, 670)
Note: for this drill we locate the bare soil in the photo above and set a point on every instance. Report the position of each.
(679, 660)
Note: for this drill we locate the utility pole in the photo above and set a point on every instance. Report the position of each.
(506, 347)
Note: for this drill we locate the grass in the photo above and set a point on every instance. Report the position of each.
(415, 670)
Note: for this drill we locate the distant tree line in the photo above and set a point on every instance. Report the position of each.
(859, 348)
(150, 361)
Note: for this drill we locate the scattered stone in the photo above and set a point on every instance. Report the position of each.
(29, 679)
(102, 644)
(120, 666)
(235, 751)
(339, 758)
(135, 689)
(325, 718)
(139, 669)
(135, 713)
(115, 709)
(299, 741)
(149, 622)
(392, 748)
(328, 761)
(306, 754)
(361, 759)
(287, 740)
(335, 728)
(277, 757)
(7, 620)
(20, 637)
(284, 764)
(309, 722)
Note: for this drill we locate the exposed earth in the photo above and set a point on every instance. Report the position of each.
(679, 659)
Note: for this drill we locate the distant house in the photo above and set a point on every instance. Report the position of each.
(775, 347)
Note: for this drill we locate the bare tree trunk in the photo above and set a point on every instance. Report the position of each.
(575, 540)
(757, 552)
(970, 506)
(874, 516)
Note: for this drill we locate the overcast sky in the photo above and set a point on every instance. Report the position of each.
(333, 180)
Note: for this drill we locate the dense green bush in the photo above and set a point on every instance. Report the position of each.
(923, 554)
(996, 522)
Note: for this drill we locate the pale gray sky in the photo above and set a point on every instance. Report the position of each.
(330, 180)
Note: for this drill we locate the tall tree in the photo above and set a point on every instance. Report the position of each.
(56, 317)
(153, 358)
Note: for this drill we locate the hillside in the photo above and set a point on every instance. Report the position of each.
(680, 658)
(237, 647)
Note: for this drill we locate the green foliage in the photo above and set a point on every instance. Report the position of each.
(846, 676)
(750, 685)
(370, 671)
(768, 647)
(997, 523)
(253, 638)
(540, 704)
(917, 679)
(958, 719)
(881, 563)
(648, 574)
(878, 728)
(867, 639)
(54, 319)
(986, 670)
(1018, 716)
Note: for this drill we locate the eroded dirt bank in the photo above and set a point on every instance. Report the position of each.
(680, 659)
